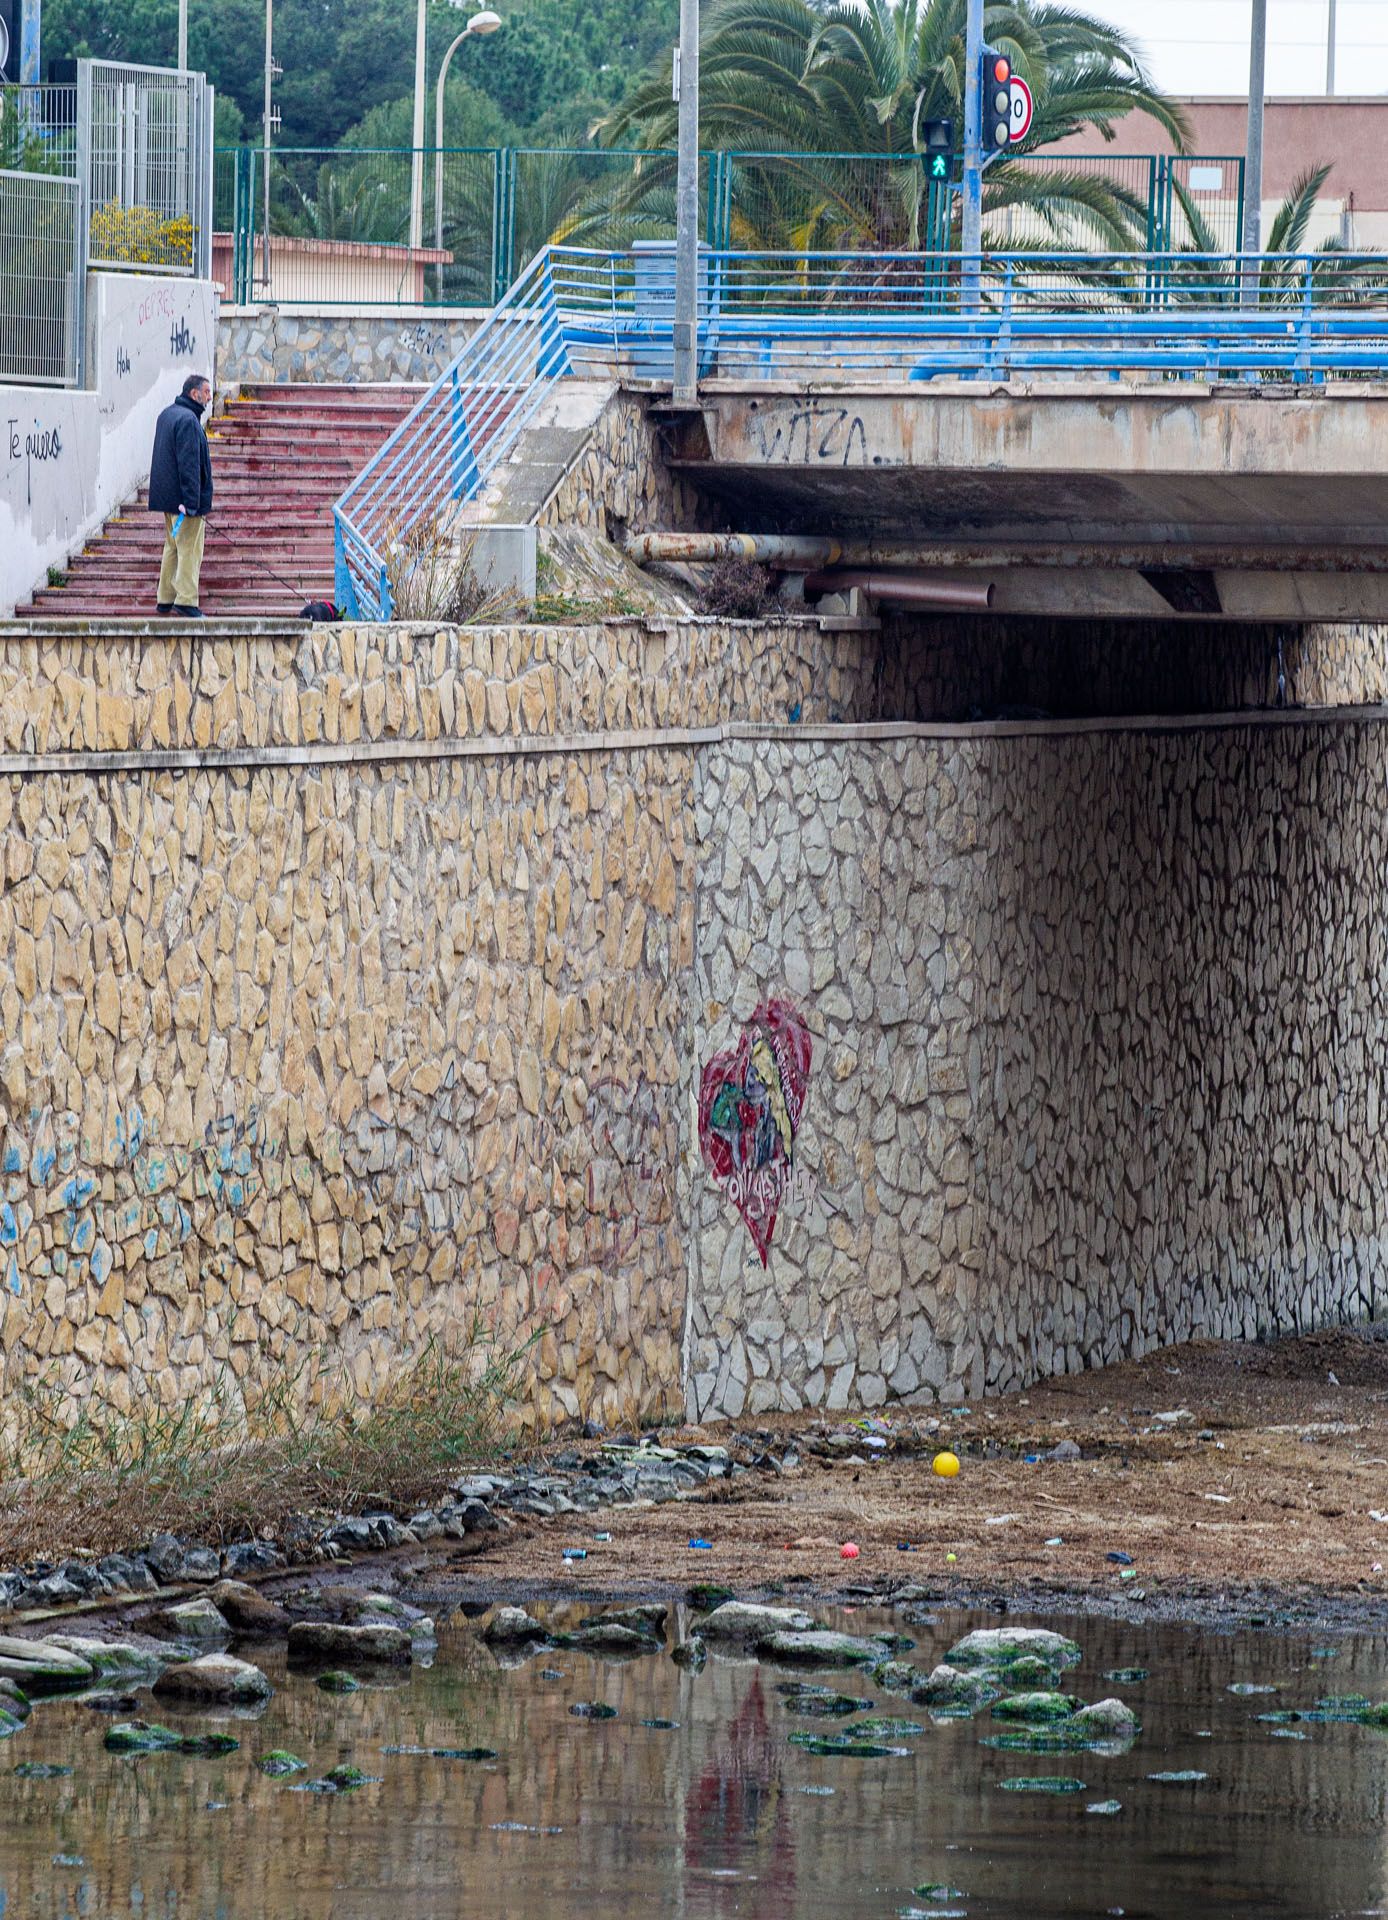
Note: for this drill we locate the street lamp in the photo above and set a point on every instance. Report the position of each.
(480, 23)
(485, 22)
(685, 341)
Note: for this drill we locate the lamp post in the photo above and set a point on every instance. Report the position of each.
(1253, 163)
(480, 23)
(417, 158)
(972, 234)
(686, 328)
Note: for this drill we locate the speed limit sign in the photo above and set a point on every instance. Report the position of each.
(1023, 107)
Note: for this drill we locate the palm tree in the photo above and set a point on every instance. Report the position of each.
(1336, 274)
(798, 77)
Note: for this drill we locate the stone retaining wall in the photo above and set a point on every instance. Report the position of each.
(271, 344)
(359, 984)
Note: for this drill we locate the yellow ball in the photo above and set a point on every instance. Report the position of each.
(946, 1465)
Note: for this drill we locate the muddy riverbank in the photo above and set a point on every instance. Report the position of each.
(1212, 1482)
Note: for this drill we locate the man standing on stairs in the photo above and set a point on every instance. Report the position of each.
(180, 487)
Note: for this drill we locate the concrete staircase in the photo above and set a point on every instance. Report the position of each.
(281, 455)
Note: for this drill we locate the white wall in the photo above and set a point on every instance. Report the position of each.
(68, 459)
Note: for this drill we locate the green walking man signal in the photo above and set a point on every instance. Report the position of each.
(937, 144)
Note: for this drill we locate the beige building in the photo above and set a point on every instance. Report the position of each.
(1349, 131)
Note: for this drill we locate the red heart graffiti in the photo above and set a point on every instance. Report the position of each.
(751, 1097)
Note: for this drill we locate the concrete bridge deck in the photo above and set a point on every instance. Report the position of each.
(1268, 503)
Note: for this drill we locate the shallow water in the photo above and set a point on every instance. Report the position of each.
(722, 1815)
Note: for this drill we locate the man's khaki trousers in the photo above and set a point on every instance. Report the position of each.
(178, 575)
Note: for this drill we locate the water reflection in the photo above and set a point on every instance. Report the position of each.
(719, 1815)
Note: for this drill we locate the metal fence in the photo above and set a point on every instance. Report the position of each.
(145, 155)
(38, 129)
(41, 279)
(836, 317)
(339, 219)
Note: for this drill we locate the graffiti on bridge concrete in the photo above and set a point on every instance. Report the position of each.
(751, 1100)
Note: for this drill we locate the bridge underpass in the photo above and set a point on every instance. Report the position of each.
(1097, 500)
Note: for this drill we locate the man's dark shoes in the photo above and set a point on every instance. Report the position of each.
(163, 606)
(190, 613)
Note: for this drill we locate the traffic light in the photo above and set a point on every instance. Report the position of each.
(995, 93)
(937, 144)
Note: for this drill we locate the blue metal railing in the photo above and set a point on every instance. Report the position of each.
(821, 319)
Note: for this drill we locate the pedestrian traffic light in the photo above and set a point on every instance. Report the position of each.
(995, 93)
(937, 144)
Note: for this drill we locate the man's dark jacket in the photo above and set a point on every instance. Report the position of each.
(180, 470)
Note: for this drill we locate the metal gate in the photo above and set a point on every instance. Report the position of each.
(41, 279)
(145, 157)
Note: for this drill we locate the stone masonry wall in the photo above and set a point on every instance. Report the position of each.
(357, 984)
(267, 345)
(335, 1011)
(1101, 1035)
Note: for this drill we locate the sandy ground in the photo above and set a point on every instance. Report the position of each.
(1263, 1496)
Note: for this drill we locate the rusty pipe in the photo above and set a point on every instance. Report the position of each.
(919, 589)
(792, 551)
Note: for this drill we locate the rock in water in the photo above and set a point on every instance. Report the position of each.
(14, 1700)
(338, 1683)
(325, 1639)
(1036, 1708)
(194, 1620)
(216, 1677)
(248, 1611)
(741, 1624)
(144, 1736)
(607, 1636)
(948, 1690)
(117, 1659)
(278, 1762)
(40, 1666)
(512, 1627)
(998, 1647)
(819, 1648)
(1111, 1717)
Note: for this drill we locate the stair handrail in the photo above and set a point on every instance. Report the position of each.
(460, 430)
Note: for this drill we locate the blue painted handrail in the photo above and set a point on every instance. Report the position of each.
(823, 318)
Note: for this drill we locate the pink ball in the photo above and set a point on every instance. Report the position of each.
(848, 1551)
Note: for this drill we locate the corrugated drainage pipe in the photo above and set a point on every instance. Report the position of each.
(918, 589)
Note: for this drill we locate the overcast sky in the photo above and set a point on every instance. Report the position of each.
(1201, 46)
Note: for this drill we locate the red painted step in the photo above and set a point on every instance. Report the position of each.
(280, 457)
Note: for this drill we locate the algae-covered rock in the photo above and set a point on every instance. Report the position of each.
(703, 1596)
(820, 1702)
(1027, 1671)
(1043, 1783)
(329, 1640)
(1035, 1707)
(947, 1688)
(117, 1659)
(897, 1676)
(690, 1653)
(145, 1736)
(1112, 1717)
(278, 1762)
(336, 1682)
(592, 1710)
(818, 1648)
(845, 1746)
(512, 1627)
(1001, 1647)
(607, 1636)
(14, 1700)
(216, 1677)
(41, 1666)
(194, 1620)
(41, 1770)
(346, 1778)
(740, 1625)
(10, 1723)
